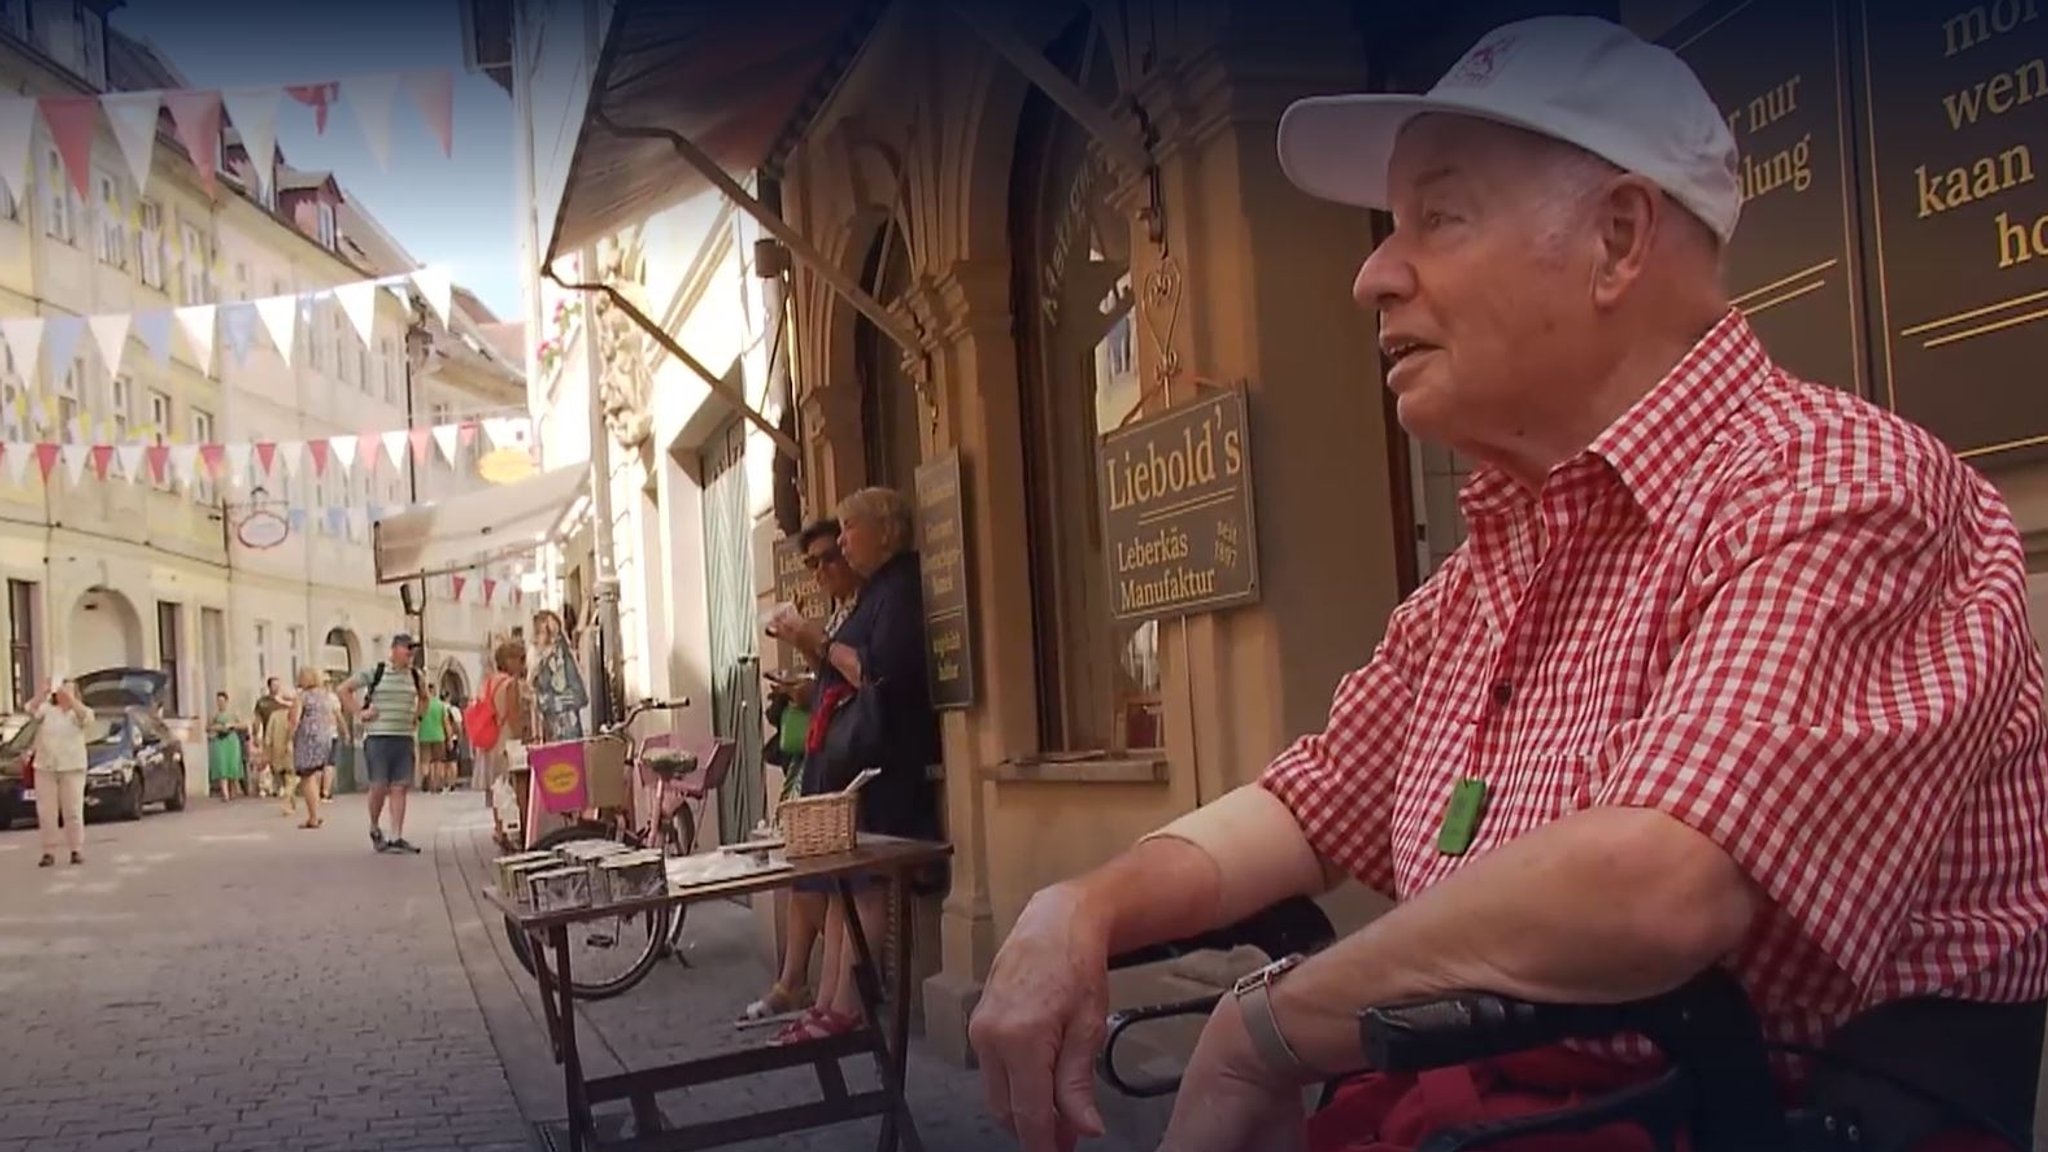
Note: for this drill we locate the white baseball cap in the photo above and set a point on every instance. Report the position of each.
(1579, 79)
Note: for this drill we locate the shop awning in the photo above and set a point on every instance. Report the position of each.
(731, 77)
(478, 528)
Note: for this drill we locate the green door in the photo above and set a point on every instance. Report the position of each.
(729, 584)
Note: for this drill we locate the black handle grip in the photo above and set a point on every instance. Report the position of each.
(1469, 1026)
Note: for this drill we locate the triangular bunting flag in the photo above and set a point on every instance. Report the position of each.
(438, 286)
(465, 434)
(102, 455)
(253, 112)
(214, 457)
(279, 314)
(17, 457)
(196, 115)
(133, 117)
(153, 328)
(46, 459)
(359, 301)
(455, 585)
(266, 457)
(337, 520)
(73, 121)
(422, 443)
(490, 591)
(110, 332)
(445, 437)
(158, 457)
(317, 449)
(394, 446)
(344, 449)
(238, 464)
(317, 97)
(23, 336)
(17, 138)
(434, 92)
(129, 457)
(504, 431)
(238, 323)
(295, 518)
(372, 97)
(74, 457)
(196, 322)
(60, 341)
(291, 453)
(367, 460)
(185, 463)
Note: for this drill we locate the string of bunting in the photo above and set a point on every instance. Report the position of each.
(197, 117)
(56, 337)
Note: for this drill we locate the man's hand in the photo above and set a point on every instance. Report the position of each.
(1041, 1020)
(1229, 1101)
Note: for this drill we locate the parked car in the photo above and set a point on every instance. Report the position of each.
(133, 759)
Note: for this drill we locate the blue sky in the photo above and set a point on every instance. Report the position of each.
(455, 211)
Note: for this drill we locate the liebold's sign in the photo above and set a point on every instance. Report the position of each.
(1178, 528)
(942, 553)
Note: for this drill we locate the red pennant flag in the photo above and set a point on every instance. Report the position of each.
(434, 92)
(74, 121)
(101, 455)
(46, 459)
(266, 455)
(319, 450)
(214, 457)
(196, 115)
(158, 457)
(456, 584)
(518, 597)
(422, 443)
(490, 586)
(466, 435)
(318, 97)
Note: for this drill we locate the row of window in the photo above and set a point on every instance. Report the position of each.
(25, 656)
(295, 653)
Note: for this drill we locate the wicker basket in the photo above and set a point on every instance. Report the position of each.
(819, 825)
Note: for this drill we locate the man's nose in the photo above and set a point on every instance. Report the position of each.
(1384, 279)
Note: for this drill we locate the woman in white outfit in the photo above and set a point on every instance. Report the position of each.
(61, 725)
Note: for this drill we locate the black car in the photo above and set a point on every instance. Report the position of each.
(132, 758)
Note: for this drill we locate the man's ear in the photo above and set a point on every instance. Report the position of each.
(1628, 216)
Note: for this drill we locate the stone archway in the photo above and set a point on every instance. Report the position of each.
(452, 681)
(105, 632)
(345, 643)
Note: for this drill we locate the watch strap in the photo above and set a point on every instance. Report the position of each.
(1255, 1004)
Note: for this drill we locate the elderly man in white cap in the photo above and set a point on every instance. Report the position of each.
(1733, 667)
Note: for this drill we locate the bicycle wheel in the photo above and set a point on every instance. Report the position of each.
(601, 944)
(679, 835)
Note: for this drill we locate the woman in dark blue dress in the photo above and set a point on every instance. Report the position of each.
(879, 648)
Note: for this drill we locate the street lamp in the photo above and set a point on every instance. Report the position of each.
(419, 345)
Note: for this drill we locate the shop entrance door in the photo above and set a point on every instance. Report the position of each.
(735, 656)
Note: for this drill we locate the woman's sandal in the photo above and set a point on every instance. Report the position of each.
(816, 1024)
(779, 1001)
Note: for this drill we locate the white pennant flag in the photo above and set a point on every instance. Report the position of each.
(504, 431)
(372, 98)
(253, 112)
(359, 300)
(17, 135)
(74, 458)
(344, 448)
(110, 332)
(238, 463)
(291, 454)
(438, 286)
(133, 117)
(279, 314)
(18, 456)
(196, 322)
(129, 458)
(23, 336)
(446, 437)
(185, 463)
(396, 442)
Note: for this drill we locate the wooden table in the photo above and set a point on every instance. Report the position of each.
(888, 856)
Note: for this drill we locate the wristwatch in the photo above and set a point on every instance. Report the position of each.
(1253, 992)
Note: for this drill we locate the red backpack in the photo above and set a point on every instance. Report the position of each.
(480, 720)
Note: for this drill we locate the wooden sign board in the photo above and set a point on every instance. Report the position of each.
(948, 614)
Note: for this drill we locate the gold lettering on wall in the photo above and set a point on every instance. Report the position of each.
(1788, 167)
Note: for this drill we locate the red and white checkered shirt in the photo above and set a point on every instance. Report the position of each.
(1763, 607)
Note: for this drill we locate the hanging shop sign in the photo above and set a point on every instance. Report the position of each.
(1179, 534)
(942, 551)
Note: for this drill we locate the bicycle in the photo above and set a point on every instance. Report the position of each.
(665, 789)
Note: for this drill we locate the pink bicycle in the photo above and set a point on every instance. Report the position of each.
(666, 788)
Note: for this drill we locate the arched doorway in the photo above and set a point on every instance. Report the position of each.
(453, 683)
(343, 651)
(106, 632)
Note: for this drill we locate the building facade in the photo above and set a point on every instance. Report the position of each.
(1024, 234)
(158, 572)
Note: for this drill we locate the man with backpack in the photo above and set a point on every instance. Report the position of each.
(389, 699)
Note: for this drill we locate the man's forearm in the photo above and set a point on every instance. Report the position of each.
(1547, 917)
(1210, 868)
